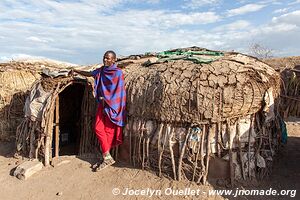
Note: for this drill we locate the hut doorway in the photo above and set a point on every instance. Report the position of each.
(69, 120)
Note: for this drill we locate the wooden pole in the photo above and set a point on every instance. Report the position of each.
(201, 174)
(238, 133)
(47, 151)
(182, 151)
(57, 127)
(209, 133)
(230, 152)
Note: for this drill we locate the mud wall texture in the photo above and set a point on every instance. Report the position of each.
(184, 92)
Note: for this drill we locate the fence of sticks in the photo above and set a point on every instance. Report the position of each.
(291, 92)
(187, 110)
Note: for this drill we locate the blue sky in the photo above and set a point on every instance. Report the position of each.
(80, 31)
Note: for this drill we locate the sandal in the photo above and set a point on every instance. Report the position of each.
(104, 164)
(95, 166)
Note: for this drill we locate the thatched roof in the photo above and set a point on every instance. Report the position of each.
(17, 76)
(16, 79)
(282, 63)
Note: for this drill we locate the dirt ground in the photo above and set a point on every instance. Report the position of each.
(75, 179)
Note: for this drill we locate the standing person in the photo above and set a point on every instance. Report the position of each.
(110, 93)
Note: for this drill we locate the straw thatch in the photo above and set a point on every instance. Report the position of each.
(16, 78)
(283, 63)
(14, 85)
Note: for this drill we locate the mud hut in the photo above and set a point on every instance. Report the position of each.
(289, 68)
(16, 79)
(188, 110)
(59, 112)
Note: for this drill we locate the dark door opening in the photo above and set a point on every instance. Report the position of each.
(70, 119)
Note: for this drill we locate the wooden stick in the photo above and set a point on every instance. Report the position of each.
(130, 138)
(161, 126)
(38, 146)
(57, 127)
(172, 153)
(25, 135)
(270, 141)
(218, 139)
(230, 153)
(238, 133)
(295, 70)
(262, 131)
(143, 158)
(50, 130)
(32, 139)
(140, 134)
(47, 151)
(163, 148)
(201, 173)
(134, 148)
(207, 156)
(147, 148)
(249, 146)
(83, 124)
(197, 157)
(182, 153)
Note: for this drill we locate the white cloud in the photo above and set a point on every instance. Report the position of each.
(81, 36)
(273, 2)
(81, 31)
(152, 1)
(282, 10)
(37, 39)
(234, 26)
(18, 57)
(245, 9)
(160, 19)
(194, 4)
(290, 18)
(295, 2)
(30, 58)
(281, 34)
(277, 28)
